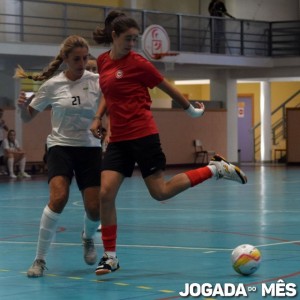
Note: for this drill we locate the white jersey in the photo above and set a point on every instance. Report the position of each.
(7, 145)
(74, 104)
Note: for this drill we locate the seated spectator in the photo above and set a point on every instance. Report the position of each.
(13, 154)
(3, 129)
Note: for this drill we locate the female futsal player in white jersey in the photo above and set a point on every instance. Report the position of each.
(125, 77)
(72, 149)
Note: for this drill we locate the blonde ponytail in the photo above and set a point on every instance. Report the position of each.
(67, 46)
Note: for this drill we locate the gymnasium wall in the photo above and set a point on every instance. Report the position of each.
(267, 10)
(34, 133)
(177, 132)
(193, 6)
(280, 92)
(112, 3)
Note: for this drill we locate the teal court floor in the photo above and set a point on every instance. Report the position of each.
(161, 247)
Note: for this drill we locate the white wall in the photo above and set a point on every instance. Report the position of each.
(173, 6)
(264, 10)
(258, 10)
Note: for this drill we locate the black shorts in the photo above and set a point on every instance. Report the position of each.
(146, 152)
(82, 162)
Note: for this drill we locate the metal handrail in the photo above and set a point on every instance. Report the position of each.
(278, 127)
(280, 107)
(34, 21)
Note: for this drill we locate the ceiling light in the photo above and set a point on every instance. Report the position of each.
(193, 81)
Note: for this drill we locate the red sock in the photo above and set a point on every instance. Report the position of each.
(199, 175)
(109, 237)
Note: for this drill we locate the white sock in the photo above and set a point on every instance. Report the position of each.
(213, 170)
(10, 165)
(89, 227)
(47, 230)
(22, 165)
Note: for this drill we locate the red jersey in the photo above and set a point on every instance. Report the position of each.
(124, 83)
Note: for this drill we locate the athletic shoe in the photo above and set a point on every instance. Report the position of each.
(12, 176)
(24, 175)
(227, 170)
(107, 265)
(37, 268)
(89, 251)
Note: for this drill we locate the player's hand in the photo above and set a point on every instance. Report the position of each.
(23, 101)
(96, 128)
(197, 111)
(200, 105)
(106, 140)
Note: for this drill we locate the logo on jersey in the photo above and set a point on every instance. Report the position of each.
(119, 74)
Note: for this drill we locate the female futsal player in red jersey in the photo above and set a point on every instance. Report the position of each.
(125, 77)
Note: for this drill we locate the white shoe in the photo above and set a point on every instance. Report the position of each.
(89, 251)
(227, 170)
(12, 176)
(24, 175)
(37, 268)
(107, 265)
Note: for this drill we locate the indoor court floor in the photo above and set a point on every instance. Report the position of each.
(161, 246)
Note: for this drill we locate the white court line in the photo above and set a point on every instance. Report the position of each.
(208, 250)
(278, 244)
(169, 208)
(79, 205)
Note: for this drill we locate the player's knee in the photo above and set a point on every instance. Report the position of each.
(158, 195)
(58, 203)
(107, 194)
(93, 215)
(92, 207)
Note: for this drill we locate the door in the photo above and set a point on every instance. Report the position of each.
(245, 124)
(292, 126)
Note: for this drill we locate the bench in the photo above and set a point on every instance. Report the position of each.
(34, 167)
(281, 152)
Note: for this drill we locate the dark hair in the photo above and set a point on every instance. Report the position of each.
(11, 144)
(115, 21)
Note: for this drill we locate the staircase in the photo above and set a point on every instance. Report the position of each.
(278, 119)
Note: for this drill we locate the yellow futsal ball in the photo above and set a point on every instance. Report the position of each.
(245, 259)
